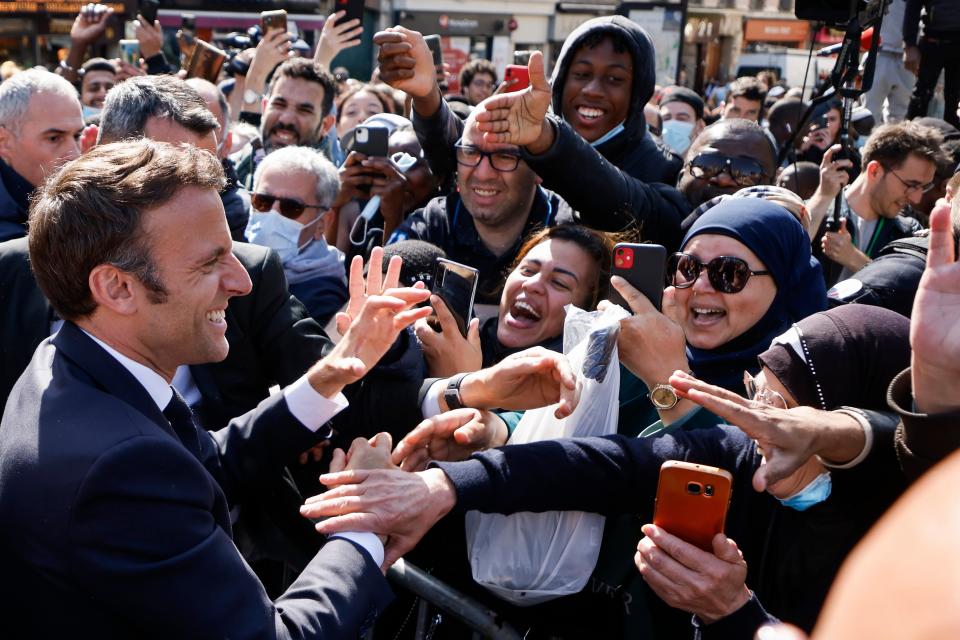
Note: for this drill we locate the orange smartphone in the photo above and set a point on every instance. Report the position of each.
(520, 74)
(692, 501)
(206, 62)
(270, 20)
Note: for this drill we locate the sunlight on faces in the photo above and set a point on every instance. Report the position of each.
(297, 185)
(597, 90)
(293, 114)
(552, 275)
(494, 197)
(94, 87)
(713, 318)
(191, 247)
(888, 195)
(731, 144)
(357, 109)
(49, 137)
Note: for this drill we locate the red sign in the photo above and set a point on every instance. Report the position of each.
(455, 58)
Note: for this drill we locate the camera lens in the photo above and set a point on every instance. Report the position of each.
(708, 490)
(693, 488)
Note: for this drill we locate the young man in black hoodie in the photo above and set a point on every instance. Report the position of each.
(596, 151)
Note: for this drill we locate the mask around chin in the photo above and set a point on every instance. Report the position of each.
(676, 135)
(272, 230)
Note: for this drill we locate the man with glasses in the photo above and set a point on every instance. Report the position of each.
(726, 157)
(293, 189)
(899, 163)
(498, 202)
(478, 79)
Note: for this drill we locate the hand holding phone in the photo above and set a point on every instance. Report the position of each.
(130, 52)
(353, 9)
(692, 501)
(148, 10)
(456, 285)
(641, 265)
(273, 21)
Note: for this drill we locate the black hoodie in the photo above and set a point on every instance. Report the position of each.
(629, 177)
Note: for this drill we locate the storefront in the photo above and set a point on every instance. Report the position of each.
(788, 33)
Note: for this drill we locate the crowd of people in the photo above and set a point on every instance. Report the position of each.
(232, 401)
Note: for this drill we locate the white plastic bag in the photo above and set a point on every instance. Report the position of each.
(528, 558)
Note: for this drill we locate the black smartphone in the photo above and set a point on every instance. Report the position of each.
(522, 57)
(643, 266)
(370, 141)
(456, 285)
(353, 9)
(433, 42)
(188, 27)
(148, 9)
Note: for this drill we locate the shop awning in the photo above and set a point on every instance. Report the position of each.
(776, 31)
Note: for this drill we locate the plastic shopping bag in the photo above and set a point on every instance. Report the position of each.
(528, 558)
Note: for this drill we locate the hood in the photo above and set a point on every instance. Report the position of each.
(644, 70)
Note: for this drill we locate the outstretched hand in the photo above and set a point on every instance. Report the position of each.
(450, 436)
(336, 36)
(406, 62)
(935, 323)
(519, 117)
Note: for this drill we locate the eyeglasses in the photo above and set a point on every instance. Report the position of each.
(480, 83)
(745, 172)
(470, 156)
(727, 274)
(911, 187)
(767, 396)
(289, 207)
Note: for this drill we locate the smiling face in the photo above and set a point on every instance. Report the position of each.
(731, 143)
(48, 137)
(493, 197)
(200, 275)
(358, 108)
(480, 88)
(888, 193)
(94, 87)
(552, 275)
(293, 114)
(713, 319)
(597, 90)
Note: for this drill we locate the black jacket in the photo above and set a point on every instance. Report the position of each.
(941, 20)
(446, 223)
(890, 281)
(236, 202)
(14, 191)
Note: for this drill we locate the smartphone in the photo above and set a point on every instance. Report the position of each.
(130, 51)
(643, 266)
(273, 20)
(148, 9)
(433, 42)
(522, 57)
(692, 501)
(206, 62)
(370, 141)
(456, 285)
(520, 74)
(353, 9)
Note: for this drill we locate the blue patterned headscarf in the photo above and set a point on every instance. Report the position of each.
(781, 243)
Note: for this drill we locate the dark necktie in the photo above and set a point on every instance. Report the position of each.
(181, 419)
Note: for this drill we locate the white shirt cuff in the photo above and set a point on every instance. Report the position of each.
(867, 439)
(309, 407)
(431, 401)
(369, 541)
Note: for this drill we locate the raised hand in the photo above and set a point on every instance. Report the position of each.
(710, 585)
(374, 284)
(273, 49)
(833, 174)
(530, 379)
(447, 352)
(406, 62)
(335, 37)
(364, 454)
(838, 246)
(935, 323)
(450, 436)
(787, 437)
(519, 117)
(149, 35)
(394, 503)
(90, 23)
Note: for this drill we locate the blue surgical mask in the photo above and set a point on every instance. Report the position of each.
(281, 234)
(89, 111)
(676, 135)
(608, 135)
(814, 493)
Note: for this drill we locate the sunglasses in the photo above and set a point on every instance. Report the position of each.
(726, 274)
(289, 207)
(745, 172)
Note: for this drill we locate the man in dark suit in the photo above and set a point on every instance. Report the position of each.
(115, 505)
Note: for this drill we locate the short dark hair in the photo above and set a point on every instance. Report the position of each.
(310, 71)
(97, 64)
(616, 38)
(131, 103)
(91, 213)
(749, 88)
(472, 68)
(892, 144)
(385, 101)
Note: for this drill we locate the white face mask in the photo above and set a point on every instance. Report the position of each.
(676, 135)
(270, 229)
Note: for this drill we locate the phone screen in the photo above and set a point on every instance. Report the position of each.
(456, 285)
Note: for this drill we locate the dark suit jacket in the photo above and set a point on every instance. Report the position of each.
(272, 338)
(119, 531)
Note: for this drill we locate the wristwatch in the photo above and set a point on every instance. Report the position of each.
(451, 393)
(663, 397)
(250, 96)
